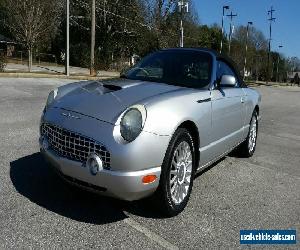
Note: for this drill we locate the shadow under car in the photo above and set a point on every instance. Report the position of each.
(34, 179)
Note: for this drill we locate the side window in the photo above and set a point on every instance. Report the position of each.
(195, 71)
(224, 69)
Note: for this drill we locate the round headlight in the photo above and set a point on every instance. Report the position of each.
(51, 97)
(131, 124)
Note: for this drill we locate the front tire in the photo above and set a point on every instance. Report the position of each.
(178, 169)
(247, 148)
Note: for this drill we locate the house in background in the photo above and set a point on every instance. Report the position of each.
(294, 77)
(7, 46)
(291, 75)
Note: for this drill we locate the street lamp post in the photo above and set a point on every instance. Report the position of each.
(277, 73)
(183, 6)
(246, 49)
(226, 7)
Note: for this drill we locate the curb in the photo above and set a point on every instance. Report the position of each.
(59, 76)
(257, 84)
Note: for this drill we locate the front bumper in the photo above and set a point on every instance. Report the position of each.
(122, 185)
(129, 163)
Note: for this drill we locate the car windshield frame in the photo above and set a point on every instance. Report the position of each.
(172, 69)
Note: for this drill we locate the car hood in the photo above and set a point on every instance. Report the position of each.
(106, 100)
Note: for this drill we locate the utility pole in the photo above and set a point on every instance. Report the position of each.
(231, 30)
(183, 7)
(246, 49)
(271, 19)
(93, 39)
(67, 54)
(226, 7)
(277, 73)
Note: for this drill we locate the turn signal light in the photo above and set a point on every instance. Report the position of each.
(149, 179)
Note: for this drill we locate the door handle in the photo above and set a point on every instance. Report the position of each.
(242, 99)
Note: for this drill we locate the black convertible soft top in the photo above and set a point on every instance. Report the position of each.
(218, 56)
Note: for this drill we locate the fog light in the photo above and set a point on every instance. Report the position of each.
(94, 163)
(45, 143)
(149, 179)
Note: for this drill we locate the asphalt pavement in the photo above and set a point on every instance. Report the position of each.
(38, 210)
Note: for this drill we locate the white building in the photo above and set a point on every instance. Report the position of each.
(291, 75)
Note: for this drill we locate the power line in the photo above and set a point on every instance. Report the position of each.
(139, 23)
(99, 9)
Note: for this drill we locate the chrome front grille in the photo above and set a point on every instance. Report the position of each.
(73, 145)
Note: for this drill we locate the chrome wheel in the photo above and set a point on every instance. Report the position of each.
(252, 134)
(181, 172)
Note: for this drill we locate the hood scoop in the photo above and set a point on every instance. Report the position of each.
(99, 88)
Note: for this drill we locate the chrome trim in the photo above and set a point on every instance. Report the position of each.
(73, 145)
(69, 115)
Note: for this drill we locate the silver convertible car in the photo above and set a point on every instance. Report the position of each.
(174, 113)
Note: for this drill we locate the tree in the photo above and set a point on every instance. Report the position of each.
(32, 22)
(159, 12)
(164, 18)
(2, 62)
(121, 31)
(4, 30)
(297, 79)
(256, 53)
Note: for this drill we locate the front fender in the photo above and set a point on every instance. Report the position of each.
(253, 100)
(166, 115)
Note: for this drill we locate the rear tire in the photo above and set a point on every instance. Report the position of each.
(247, 148)
(178, 169)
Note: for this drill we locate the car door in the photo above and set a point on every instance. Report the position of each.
(227, 112)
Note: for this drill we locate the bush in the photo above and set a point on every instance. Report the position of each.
(80, 55)
(2, 62)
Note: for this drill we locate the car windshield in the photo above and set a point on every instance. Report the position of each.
(187, 68)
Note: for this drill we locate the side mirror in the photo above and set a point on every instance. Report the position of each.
(227, 81)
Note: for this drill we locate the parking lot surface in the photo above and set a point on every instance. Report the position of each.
(38, 210)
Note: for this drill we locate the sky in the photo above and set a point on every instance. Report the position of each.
(285, 29)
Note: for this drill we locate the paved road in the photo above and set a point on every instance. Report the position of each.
(37, 209)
